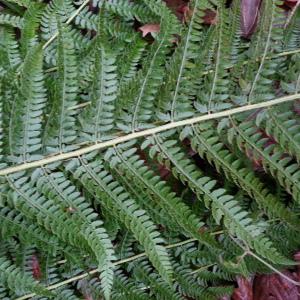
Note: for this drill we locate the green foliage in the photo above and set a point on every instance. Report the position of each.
(110, 185)
(26, 114)
(60, 130)
(17, 281)
(14, 21)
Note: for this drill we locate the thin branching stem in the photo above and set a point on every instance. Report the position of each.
(251, 253)
(147, 132)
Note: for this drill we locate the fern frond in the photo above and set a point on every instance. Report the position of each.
(234, 31)
(19, 282)
(292, 40)
(151, 280)
(165, 198)
(138, 106)
(155, 210)
(224, 206)
(272, 157)
(110, 158)
(31, 21)
(2, 164)
(34, 206)
(205, 140)
(25, 3)
(129, 60)
(56, 9)
(127, 289)
(128, 10)
(180, 106)
(189, 285)
(11, 48)
(97, 120)
(26, 116)
(284, 128)
(216, 86)
(60, 130)
(66, 294)
(55, 186)
(3, 293)
(271, 31)
(114, 198)
(112, 26)
(14, 224)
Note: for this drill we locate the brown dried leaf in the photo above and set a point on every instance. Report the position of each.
(210, 17)
(36, 269)
(249, 16)
(275, 287)
(244, 291)
(149, 28)
(290, 3)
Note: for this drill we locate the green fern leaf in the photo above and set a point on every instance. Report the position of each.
(115, 199)
(18, 281)
(61, 128)
(25, 124)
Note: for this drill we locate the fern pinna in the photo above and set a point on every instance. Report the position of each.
(146, 167)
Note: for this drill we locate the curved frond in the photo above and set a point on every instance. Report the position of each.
(61, 126)
(11, 20)
(271, 156)
(224, 206)
(97, 119)
(209, 145)
(17, 281)
(26, 116)
(116, 199)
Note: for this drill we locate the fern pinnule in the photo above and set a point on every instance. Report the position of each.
(11, 20)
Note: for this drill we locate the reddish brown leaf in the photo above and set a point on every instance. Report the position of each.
(163, 172)
(297, 256)
(177, 7)
(210, 17)
(249, 16)
(244, 291)
(275, 287)
(290, 3)
(35, 267)
(184, 13)
(149, 28)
